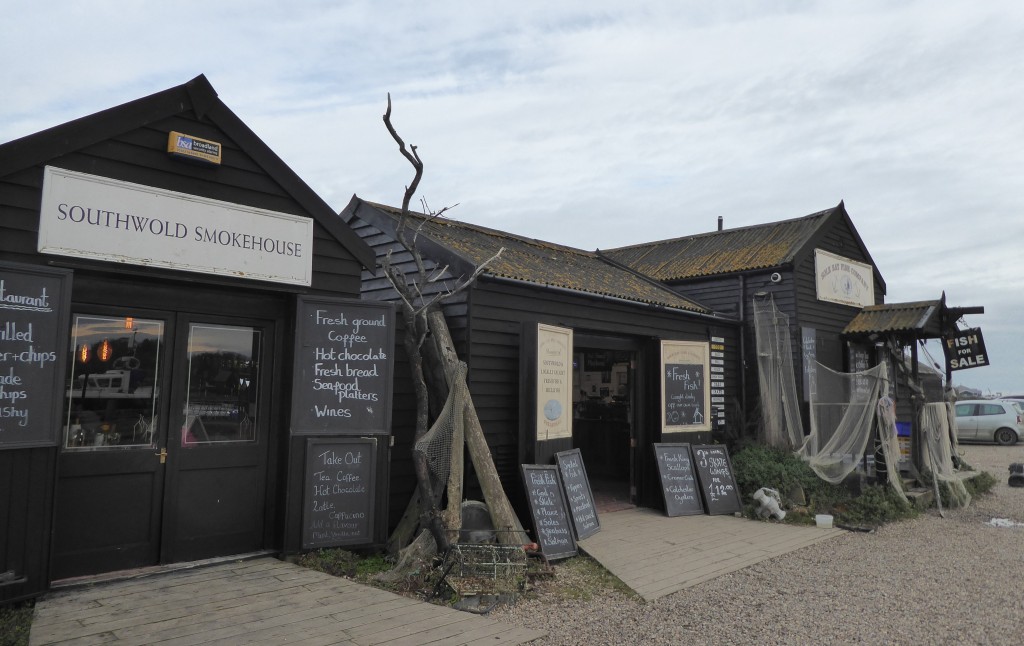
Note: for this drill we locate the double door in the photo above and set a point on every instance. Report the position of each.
(164, 455)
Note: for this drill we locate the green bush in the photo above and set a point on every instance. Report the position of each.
(15, 624)
(757, 466)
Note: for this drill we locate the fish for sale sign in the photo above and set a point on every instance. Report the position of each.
(965, 349)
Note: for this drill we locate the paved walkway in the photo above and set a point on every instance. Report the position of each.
(656, 555)
(263, 601)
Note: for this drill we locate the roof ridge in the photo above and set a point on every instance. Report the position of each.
(497, 233)
(671, 241)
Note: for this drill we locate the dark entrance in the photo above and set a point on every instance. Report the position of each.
(165, 445)
(604, 418)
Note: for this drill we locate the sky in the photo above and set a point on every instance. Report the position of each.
(601, 124)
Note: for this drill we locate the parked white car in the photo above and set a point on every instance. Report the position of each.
(990, 420)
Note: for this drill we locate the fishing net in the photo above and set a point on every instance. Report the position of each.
(780, 408)
(843, 410)
(937, 420)
(436, 444)
(888, 440)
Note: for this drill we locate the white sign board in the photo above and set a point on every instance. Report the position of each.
(105, 219)
(844, 281)
(554, 382)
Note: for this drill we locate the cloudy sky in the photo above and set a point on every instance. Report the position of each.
(599, 124)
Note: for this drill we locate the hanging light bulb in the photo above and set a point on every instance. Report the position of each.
(129, 323)
(83, 352)
(105, 350)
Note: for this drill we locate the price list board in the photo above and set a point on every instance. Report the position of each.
(678, 480)
(549, 510)
(717, 481)
(34, 311)
(344, 357)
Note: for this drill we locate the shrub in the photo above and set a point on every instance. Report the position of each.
(757, 466)
(15, 624)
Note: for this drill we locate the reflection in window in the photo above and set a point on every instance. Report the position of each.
(111, 393)
(223, 379)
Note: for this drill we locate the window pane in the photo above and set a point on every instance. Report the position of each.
(223, 380)
(111, 393)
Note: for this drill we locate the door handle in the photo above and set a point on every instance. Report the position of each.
(163, 455)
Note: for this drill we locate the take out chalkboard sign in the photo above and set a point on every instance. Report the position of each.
(549, 510)
(34, 313)
(344, 356)
(717, 481)
(678, 480)
(338, 501)
(582, 509)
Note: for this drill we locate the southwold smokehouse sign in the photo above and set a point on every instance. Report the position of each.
(685, 396)
(343, 366)
(33, 347)
(88, 216)
(965, 349)
(554, 381)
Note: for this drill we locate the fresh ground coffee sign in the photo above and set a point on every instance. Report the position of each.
(965, 349)
(34, 305)
(343, 364)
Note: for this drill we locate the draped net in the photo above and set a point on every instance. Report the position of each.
(938, 426)
(780, 409)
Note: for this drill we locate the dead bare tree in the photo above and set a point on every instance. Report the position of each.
(435, 368)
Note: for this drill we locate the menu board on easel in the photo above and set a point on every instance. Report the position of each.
(34, 311)
(344, 358)
(678, 480)
(578, 493)
(549, 510)
(717, 482)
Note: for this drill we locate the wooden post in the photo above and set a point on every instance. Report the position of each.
(509, 529)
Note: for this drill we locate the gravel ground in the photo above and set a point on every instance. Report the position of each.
(931, 580)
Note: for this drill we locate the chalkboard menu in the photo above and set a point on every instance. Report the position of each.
(678, 480)
(549, 510)
(344, 355)
(684, 395)
(338, 504)
(34, 305)
(717, 482)
(582, 509)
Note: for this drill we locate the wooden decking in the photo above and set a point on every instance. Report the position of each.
(656, 555)
(263, 601)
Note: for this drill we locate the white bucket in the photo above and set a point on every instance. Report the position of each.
(823, 520)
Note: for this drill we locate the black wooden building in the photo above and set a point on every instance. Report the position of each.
(185, 245)
(815, 268)
(617, 327)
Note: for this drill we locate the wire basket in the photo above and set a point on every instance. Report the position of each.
(486, 569)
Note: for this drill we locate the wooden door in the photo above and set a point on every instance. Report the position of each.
(164, 455)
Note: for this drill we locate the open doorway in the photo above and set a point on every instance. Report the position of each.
(603, 422)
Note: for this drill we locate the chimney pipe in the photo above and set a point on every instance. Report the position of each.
(719, 223)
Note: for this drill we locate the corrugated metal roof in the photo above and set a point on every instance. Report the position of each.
(760, 246)
(918, 317)
(544, 263)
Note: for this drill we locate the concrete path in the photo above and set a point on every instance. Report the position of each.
(656, 555)
(263, 601)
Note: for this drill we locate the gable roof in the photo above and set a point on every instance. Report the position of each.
(467, 246)
(761, 246)
(198, 96)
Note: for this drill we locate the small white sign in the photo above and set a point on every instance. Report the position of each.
(842, 280)
(88, 216)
